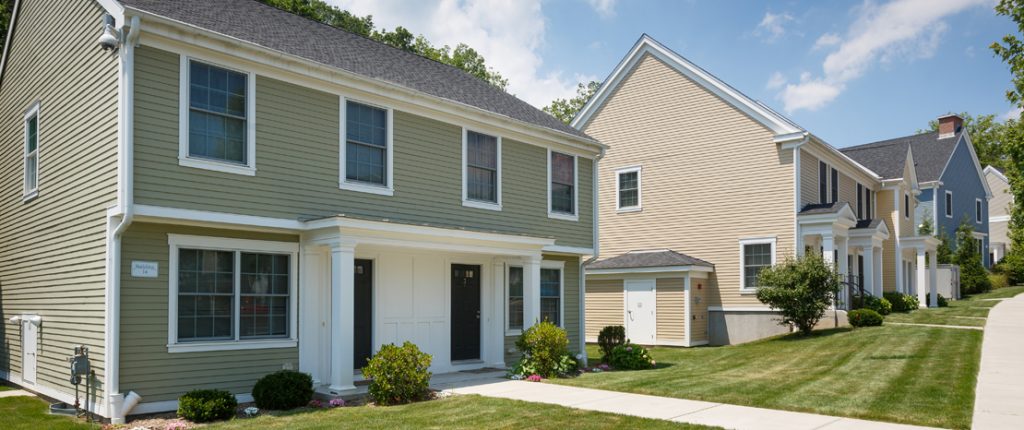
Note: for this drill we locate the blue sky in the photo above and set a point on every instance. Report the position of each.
(850, 72)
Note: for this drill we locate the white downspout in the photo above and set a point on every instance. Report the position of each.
(120, 405)
(597, 252)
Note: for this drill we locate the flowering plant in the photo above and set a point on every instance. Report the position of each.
(534, 378)
(251, 411)
(176, 425)
(631, 357)
(316, 404)
(335, 403)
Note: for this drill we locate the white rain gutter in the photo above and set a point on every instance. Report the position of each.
(118, 404)
(583, 265)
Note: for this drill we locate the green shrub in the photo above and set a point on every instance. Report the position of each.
(1012, 266)
(902, 302)
(545, 349)
(878, 304)
(630, 357)
(941, 301)
(998, 280)
(202, 406)
(864, 318)
(281, 390)
(398, 374)
(609, 338)
(800, 289)
(973, 277)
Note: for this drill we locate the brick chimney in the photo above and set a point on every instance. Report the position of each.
(950, 125)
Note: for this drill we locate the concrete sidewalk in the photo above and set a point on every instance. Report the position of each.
(664, 408)
(999, 398)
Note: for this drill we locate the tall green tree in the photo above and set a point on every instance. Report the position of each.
(462, 56)
(6, 8)
(566, 109)
(1011, 50)
(973, 277)
(987, 135)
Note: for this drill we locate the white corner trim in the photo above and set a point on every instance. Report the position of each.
(772, 240)
(639, 189)
(184, 159)
(575, 216)
(479, 204)
(948, 210)
(388, 188)
(999, 218)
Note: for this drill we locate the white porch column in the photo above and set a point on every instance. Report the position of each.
(494, 343)
(878, 273)
(827, 248)
(342, 316)
(922, 280)
(844, 269)
(869, 274)
(933, 301)
(901, 280)
(531, 291)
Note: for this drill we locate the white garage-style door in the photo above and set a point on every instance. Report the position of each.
(641, 311)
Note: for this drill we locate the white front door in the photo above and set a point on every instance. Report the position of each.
(29, 343)
(641, 311)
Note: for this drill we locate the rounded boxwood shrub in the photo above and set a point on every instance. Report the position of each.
(202, 406)
(631, 357)
(545, 349)
(864, 318)
(878, 304)
(281, 390)
(902, 302)
(610, 337)
(398, 374)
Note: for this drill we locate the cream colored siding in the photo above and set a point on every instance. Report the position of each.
(671, 327)
(146, 366)
(699, 309)
(891, 217)
(605, 305)
(53, 248)
(1001, 197)
(711, 175)
(848, 191)
(808, 178)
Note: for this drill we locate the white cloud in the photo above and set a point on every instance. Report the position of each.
(604, 8)
(1013, 114)
(772, 26)
(509, 34)
(776, 81)
(898, 30)
(826, 40)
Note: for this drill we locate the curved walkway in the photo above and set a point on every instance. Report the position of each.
(999, 397)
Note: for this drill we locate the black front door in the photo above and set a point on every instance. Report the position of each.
(363, 347)
(465, 312)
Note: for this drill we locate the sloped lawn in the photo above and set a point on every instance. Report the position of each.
(905, 374)
(971, 311)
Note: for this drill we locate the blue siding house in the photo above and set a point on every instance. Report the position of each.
(953, 185)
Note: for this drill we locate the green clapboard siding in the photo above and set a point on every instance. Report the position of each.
(297, 154)
(571, 319)
(53, 248)
(146, 366)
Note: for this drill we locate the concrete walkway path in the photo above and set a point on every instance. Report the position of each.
(999, 397)
(664, 408)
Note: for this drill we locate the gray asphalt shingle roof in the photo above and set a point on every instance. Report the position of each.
(822, 208)
(634, 259)
(886, 157)
(263, 25)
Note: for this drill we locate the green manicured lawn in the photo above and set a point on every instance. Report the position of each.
(457, 412)
(914, 375)
(30, 413)
(967, 312)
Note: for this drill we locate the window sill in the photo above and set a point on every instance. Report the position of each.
(516, 332)
(366, 188)
(748, 291)
(217, 167)
(481, 205)
(232, 345)
(562, 216)
(629, 209)
(29, 196)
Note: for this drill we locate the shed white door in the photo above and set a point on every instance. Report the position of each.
(641, 311)
(29, 346)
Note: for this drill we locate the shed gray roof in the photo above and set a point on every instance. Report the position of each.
(822, 208)
(635, 259)
(868, 223)
(263, 25)
(886, 157)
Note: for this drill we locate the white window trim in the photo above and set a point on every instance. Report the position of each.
(754, 241)
(906, 205)
(388, 189)
(560, 265)
(575, 216)
(508, 330)
(979, 210)
(828, 189)
(248, 169)
(466, 201)
(176, 241)
(948, 204)
(639, 189)
(31, 193)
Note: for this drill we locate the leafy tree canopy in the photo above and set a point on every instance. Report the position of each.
(566, 109)
(1011, 51)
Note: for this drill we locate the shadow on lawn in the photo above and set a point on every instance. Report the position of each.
(817, 334)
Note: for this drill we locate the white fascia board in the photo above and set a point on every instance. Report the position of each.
(647, 45)
(997, 173)
(567, 250)
(662, 269)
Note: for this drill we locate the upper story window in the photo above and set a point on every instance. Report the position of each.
(949, 204)
(860, 201)
(551, 295)
(217, 130)
(31, 152)
(977, 211)
(562, 186)
(906, 205)
(869, 198)
(835, 186)
(755, 255)
(366, 158)
(822, 182)
(515, 299)
(482, 170)
(627, 186)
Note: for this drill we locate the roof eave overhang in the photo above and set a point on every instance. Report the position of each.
(655, 269)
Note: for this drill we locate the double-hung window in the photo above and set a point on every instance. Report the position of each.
(860, 202)
(755, 255)
(217, 112)
(906, 205)
(515, 298)
(822, 182)
(481, 170)
(835, 185)
(551, 294)
(978, 216)
(562, 186)
(366, 158)
(949, 204)
(627, 186)
(31, 179)
(231, 294)
(868, 198)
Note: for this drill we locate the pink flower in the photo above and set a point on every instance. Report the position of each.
(337, 403)
(534, 378)
(176, 425)
(316, 404)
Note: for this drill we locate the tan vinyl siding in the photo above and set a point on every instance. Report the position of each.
(808, 178)
(146, 366)
(297, 154)
(711, 175)
(890, 216)
(1001, 197)
(570, 307)
(605, 305)
(848, 191)
(699, 309)
(671, 325)
(53, 248)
